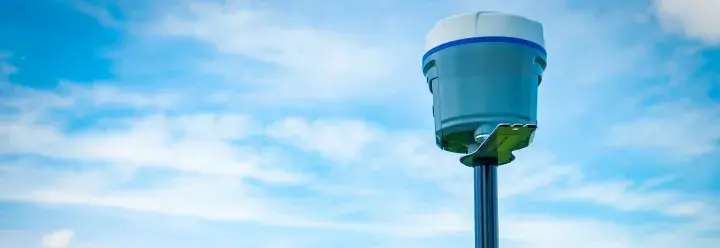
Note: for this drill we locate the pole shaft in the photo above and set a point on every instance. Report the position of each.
(486, 206)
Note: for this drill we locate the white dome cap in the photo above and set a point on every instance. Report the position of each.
(485, 24)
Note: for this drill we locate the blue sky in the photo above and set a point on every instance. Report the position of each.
(307, 124)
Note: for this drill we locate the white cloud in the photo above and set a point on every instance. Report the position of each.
(32, 102)
(679, 130)
(315, 63)
(151, 142)
(104, 94)
(58, 239)
(213, 198)
(100, 13)
(209, 126)
(696, 19)
(533, 171)
(340, 140)
(6, 68)
(403, 155)
(221, 196)
(427, 225)
(546, 232)
(624, 196)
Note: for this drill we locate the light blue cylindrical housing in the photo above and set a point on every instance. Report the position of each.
(483, 69)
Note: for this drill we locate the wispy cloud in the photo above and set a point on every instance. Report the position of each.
(315, 63)
(58, 239)
(693, 18)
(679, 130)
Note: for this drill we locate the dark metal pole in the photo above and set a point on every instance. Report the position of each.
(486, 206)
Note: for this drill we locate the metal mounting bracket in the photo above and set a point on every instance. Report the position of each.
(498, 147)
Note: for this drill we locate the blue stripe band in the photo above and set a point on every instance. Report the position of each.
(485, 39)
